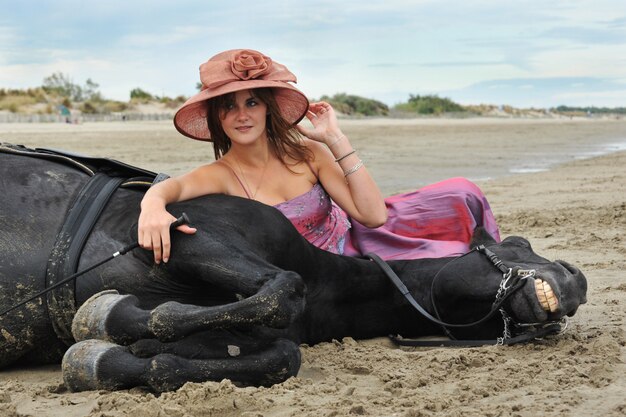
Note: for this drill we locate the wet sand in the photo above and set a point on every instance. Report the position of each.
(575, 211)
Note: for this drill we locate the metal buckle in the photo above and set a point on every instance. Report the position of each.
(526, 273)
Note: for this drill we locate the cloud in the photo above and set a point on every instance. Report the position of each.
(617, 23)
(582, 35)
(451, 64)
(545, 92)
(169, 37)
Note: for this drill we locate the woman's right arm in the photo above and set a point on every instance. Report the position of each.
(154, 219)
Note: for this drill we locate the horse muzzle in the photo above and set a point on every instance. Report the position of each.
(552, 294)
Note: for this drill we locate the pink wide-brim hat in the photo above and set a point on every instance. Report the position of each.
(236, 70)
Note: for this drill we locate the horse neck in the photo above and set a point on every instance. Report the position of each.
(366, 275)
(353, 296)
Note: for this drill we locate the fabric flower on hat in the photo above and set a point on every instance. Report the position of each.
(250, 64)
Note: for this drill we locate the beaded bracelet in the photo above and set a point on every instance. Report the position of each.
(353, 169)
(345, 156)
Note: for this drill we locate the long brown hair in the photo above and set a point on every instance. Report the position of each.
(284, 139)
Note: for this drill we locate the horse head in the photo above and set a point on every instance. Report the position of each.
(554, 290)
(535, 290)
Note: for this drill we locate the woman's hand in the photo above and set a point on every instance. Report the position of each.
(342, 173)
(325, 126)
(154, 231)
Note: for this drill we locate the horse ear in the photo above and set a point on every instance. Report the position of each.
(481, 237)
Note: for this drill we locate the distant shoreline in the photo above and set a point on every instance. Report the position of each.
(402, 154)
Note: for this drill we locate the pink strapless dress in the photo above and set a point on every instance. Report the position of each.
(435, 221)
(318, 219)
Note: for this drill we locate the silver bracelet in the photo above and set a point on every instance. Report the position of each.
(345, 156)
(339, 139)
(353, 169)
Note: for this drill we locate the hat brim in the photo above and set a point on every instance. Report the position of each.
(191, 118)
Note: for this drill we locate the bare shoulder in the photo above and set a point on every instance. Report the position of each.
(206, 179)
(212, 169)
(313, 145)
(320, 151)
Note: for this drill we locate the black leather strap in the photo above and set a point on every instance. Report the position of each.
(548, 330)
(69, 244)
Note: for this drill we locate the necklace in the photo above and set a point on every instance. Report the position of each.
(251, 194)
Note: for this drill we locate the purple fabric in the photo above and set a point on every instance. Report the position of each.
(432, 222)
(318, 219)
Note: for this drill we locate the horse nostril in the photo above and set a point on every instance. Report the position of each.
(579, 281)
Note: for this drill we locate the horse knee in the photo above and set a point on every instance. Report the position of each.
(279, 302)
(286, 360)
(283, 299)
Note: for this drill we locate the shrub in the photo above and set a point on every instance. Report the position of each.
(88, 108)
(140, 95)
(590, 110)
(13, 103)
(114, 106)
(356, 105)
(429, 104)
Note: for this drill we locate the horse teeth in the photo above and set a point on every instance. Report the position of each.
(551, 297)
(545, 295)
(541, 295)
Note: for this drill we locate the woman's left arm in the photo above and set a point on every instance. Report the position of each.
(341, 171)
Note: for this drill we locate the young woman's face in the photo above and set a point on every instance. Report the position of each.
(244, 118)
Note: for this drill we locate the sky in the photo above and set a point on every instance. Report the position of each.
(533, 53)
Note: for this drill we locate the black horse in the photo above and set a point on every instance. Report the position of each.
(235, 299)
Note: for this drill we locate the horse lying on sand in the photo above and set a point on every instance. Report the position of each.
(237, 297)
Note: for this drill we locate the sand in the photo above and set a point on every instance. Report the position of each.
(545, 181)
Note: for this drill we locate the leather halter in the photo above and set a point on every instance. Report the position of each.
(512, 280)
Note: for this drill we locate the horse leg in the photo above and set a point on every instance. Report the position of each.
(96, 364)
(213, 344)
(277, 304)
(108, 316)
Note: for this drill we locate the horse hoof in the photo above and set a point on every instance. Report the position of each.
(91, 318)
(81, 363)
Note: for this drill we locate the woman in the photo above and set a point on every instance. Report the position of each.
(250, 111)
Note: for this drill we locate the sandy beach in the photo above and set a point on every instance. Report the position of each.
(560, 183)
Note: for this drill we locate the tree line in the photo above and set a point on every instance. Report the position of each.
(59, 89)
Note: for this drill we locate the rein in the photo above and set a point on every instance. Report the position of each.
(512, 280)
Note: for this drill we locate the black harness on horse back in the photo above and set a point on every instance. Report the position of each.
(105, 176)
(512, 280)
